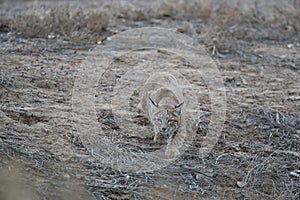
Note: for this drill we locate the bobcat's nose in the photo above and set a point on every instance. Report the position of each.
(164, 129)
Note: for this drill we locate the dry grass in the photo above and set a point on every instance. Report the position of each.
(212, 24)
(188, 10)
(257, 156)
(282, 24)
(5, 25)
(75, 26)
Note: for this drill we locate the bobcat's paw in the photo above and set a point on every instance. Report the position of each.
(155, 139)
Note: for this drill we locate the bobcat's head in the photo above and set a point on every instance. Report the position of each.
(166, 118)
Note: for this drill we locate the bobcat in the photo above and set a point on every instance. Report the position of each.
(162, 101)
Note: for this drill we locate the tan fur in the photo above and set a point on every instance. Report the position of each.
(162, 101)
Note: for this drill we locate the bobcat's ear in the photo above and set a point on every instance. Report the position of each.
(154, 103)
(178, 108)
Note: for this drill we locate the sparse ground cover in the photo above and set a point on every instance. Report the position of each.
(256, 47)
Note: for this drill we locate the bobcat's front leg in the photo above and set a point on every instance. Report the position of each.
(156, 132)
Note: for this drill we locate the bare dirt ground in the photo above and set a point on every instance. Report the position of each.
(256, 47)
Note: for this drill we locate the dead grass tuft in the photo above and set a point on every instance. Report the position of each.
(191, 10)
(226, 16)
(72, 25)
(282, 23)
(5, 25)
